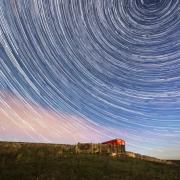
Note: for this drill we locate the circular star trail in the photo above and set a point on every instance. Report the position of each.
(114, 63)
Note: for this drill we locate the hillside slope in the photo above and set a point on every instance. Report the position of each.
(43, 161)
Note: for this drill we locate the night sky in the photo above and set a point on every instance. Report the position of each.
(91, 70)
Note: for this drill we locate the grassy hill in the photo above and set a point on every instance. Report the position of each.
(45, 161)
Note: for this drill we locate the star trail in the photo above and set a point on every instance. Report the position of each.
(91, 70)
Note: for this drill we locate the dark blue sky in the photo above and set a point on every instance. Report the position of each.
(114, 63)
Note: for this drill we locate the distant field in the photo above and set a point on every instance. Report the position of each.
(41, 162)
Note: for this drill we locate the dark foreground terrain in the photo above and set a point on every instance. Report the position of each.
(46, 162)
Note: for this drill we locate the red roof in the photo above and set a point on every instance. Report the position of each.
(115, 141)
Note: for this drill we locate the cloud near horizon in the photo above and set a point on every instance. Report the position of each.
(23, 121)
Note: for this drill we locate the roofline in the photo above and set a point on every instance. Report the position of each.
(115, 139)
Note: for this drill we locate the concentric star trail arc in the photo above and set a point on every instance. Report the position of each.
(89, 70)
